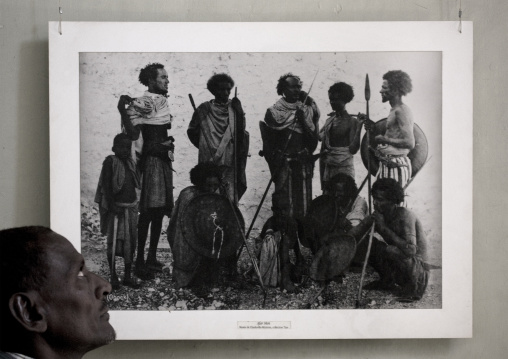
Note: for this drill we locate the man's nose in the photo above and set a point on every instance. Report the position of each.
(103, 287)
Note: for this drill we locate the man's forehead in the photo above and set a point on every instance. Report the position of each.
(292, 81)
(60, 252)
(379, 194)
(162, 72)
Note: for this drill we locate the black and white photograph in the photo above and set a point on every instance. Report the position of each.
(296, 184)
(180, 248)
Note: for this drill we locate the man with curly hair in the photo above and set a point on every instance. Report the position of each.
(398, 140)
(214, 128)
(340, 136)
(401, 258)
(148, 116)
(290, 135)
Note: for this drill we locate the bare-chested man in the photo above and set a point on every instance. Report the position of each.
(395, 144)
(340, 136)
(401, 258)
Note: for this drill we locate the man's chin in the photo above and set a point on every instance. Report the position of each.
(110, 337)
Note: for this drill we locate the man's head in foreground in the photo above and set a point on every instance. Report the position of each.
(51, 305)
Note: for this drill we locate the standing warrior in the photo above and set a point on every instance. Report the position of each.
(118, 205)
(395, 144)
(214, 128)
(149, 116)
(340, 136)
(290, 137)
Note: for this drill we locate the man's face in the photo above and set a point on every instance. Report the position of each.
(122, 148)
(382, 204)
(211, 184)
(74, 300)
(222, 91)
(159, 85)
(281, 216)
(386, 93)
(292, 89)
(335, 102)
(340, 193)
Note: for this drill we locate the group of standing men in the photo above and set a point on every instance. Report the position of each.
(291, 133)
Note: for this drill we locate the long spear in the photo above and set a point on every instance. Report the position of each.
(367, 98)
(235, 159)
(276, 172)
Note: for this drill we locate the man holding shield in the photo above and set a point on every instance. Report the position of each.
(398, 140)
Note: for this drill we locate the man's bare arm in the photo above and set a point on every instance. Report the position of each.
(354, 135)
(407, 241)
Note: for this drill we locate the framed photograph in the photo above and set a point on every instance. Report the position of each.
(99, 70)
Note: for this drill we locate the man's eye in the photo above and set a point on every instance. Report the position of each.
(81, 274)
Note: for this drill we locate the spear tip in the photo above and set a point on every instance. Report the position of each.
(367, 88)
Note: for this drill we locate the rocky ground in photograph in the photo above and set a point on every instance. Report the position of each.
(240, 293)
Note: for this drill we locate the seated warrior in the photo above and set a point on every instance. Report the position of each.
(188, 265)
(278, 236)
(401, 257)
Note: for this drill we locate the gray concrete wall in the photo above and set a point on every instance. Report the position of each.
(24, 147)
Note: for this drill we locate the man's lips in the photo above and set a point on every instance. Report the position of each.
(104, 311)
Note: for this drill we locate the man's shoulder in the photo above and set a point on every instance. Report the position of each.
(405, 214)
(403, 111)
(205, 106)
(109, 160)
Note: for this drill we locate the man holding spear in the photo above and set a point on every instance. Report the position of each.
(217, 129)
(401, 258)
(292, 122)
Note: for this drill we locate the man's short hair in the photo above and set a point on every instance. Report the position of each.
(391, 188)
(216, 79)
(349, 184)
(202, 171)
(120, 137)
(344, 90)
(399, 81)
(23, 267)
(149, 72)
(281, 84)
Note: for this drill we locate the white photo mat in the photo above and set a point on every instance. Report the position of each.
(454, 319)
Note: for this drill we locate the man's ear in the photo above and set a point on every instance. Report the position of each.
(27, 309)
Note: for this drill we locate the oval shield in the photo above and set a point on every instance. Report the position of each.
(209, 226)
(418, 155)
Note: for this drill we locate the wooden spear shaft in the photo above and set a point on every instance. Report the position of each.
(235, 164)
(367, 98)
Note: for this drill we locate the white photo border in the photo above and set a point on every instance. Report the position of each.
(453, 320)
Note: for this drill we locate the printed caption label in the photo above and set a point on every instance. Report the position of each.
(264, 325)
